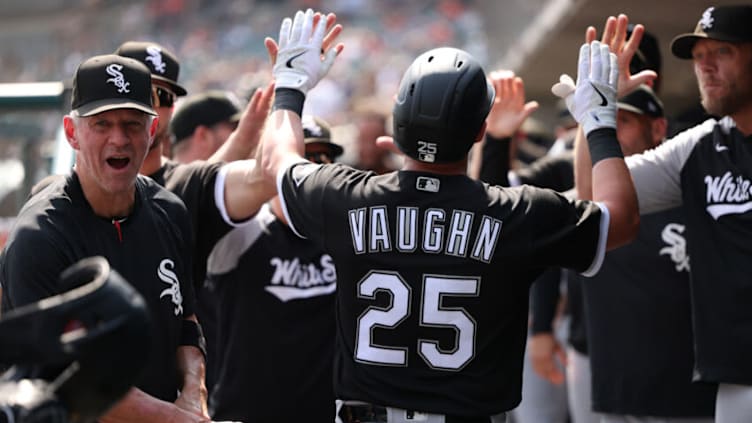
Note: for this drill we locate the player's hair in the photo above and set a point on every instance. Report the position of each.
(443, 100)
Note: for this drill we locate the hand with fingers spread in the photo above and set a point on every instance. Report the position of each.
(299, 57)
(592, 101)
(509, 109)
(615, 36)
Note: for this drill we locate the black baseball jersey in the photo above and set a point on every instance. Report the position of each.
(709, 169)
(639, 326)
(150, 249)
(433, 279)
(276, 325)
(201, 187)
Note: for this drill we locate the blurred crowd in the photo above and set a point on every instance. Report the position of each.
(220, 42)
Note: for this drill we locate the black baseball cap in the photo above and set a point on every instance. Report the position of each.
(317, 130)
(648, 54)
(642, 101)
(162, 62)
(110, 82)
(205, 109)
(722, 23)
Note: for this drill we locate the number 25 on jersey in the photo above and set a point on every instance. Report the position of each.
(432, 313)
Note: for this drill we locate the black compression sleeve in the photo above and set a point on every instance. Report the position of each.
(544, 298)
(495, 161)
(192, 334)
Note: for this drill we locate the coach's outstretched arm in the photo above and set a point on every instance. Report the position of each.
(592, 102)
(301, 57)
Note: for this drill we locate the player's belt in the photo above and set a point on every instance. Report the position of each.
(360, 412)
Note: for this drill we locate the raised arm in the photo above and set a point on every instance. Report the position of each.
(243, 141)
(507, 114)
(615, 36)
(302, 56)
(299, 67)
(592, 102)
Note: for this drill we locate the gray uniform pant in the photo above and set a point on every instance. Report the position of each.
(733, 403)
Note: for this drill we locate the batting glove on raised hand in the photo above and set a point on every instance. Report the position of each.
(299, 62)
(592, 102)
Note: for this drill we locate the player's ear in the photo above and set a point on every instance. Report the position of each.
(658, 128)
(69, 127)
(481, 132)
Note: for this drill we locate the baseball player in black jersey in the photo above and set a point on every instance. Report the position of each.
(268, 280)
(104, 208)
(433, 268)
(637, 308)
(218, 195)
(707, 170)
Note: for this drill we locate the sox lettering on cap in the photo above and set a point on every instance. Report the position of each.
(722, 23)
(162, 62)
(110, 82)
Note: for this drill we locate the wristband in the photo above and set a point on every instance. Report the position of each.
(289, 99)
(603, 145)
(192, 335)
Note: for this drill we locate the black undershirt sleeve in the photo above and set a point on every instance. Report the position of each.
(495, 161)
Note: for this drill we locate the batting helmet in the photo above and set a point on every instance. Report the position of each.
(82, 349)
(443, 100)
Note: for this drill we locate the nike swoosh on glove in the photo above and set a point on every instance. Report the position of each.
(592, 101)
(299, 63)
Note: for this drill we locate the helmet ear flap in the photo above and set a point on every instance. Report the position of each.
(441, 105)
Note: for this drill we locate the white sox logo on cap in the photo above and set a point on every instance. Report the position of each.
(118, 79)
(707, 18)
(155, 58)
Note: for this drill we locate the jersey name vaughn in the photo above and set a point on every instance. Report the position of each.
(727, 194)
(294, 280)
(449, 232)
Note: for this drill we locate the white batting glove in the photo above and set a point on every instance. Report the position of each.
(592, 102)
(299, 62)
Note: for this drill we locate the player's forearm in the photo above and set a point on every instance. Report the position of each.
(237, 147)
(139, 407)
(582, 167)
(191, 366)
(495, 161)
(612, 186)
(282, 142)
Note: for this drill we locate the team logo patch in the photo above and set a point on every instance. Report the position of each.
(427, 184)
(728, 194)
(294, 280)
(155, 58)
(673, 236)
(706, 22)
(118, 79)
(166, 274)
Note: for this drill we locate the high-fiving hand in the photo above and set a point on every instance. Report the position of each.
(592, 101)
(509, 109)
(615, 36)
(302, 56)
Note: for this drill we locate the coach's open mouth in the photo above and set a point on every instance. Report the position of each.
(118, 162)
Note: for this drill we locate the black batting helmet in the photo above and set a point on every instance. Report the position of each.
(83, 348)
(443, 100)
